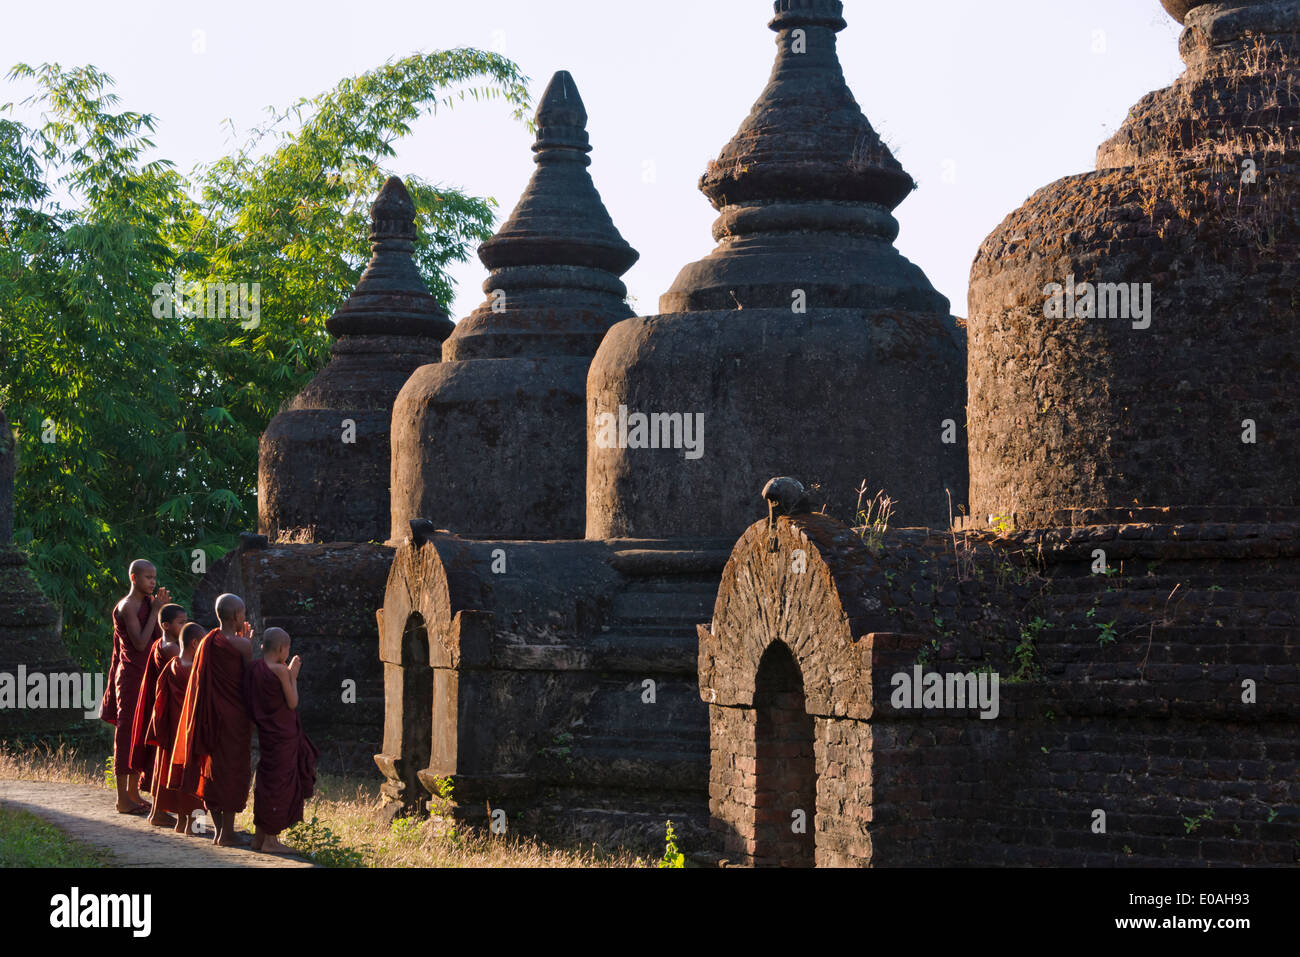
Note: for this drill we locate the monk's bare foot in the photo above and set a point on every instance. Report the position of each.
(134, 809)
(162, 820)
(182, 826)
(272, 845)
(258, 840)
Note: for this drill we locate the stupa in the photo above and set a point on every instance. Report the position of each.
(489, 442)
(805, 344)
(324, 461)
(31, 649)
(1162, 373)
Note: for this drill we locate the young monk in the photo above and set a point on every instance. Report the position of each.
(173, 619)
(286, 769)
(214, 737)
(135, 627)
(169, 699)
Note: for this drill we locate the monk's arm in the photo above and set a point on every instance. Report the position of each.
(289, 682)
(245, 646)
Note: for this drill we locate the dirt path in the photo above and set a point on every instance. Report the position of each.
(87, 813)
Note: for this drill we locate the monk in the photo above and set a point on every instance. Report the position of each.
(169, 699)
(286, 768)
(214, 736)
(135, 627)
(173, 619)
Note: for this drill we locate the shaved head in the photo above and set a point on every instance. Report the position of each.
(170, 613)
(144, 577)
(273, 639)
(192, 634)
(230, 609)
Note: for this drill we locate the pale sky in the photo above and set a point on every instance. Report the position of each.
(1003, 96)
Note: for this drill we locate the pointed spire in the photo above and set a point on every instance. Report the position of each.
(391, 298)
(560, 219)
(806, 137)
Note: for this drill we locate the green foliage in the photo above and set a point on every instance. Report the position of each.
(28, 841)
(1193, 823)
(672, 856)
(315, 841)
(138, 431)
(929, 652)
(404, 827)
(443, 801)
(1107, 634)
(1025, 655)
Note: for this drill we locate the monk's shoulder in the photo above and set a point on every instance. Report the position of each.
(241, 643)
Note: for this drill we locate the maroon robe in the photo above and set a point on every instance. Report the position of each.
(126, 683)
(214, 737)
(141, 754)
(286, 769)
(108, 704)
(169, 699)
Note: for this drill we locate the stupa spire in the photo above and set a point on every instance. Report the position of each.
(560, 219)
(804, 295)
(391, 298)
(311, 485)
(806, 136)
(490, 442)
(555, 263)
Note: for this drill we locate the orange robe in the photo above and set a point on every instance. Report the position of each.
(126, 683)
(214, 736)
(286, 765)
(142, 755)
(169, 699)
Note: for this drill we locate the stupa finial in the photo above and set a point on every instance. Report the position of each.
(560, 219)
(561, 117)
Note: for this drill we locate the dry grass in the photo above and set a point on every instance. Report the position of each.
(342, 827)
(433, 842)
(63, 764)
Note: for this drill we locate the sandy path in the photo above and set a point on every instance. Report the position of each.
(87, 813)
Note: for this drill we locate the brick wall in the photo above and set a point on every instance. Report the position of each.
(1119, 693)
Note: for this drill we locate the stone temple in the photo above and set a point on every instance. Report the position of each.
(596, 612)
(556, 680)
(31, 627)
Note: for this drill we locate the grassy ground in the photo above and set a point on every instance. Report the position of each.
(27, 841)
(340, 827)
